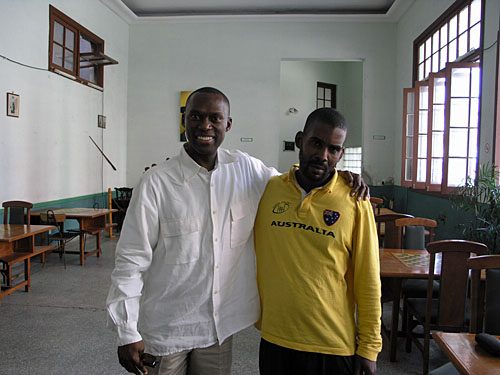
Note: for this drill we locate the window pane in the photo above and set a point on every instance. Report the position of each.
(444, 35)
(319, 104)
(90, 74)
(452, 51)
(428, 49)
(408, 169)
(439, 93)
(444, 57)
(409, 147)
(463, 23)
(475, 37)
(427, 67)
(424, 97)
(58, 33)
(321, 94)
(475, 12)
(460, 82)
(458, 142)
(435, 62)
(453, 28)
(438, 117)
(435, 42)
(472, 168)
(409, 124)
(437, 145)
(70, 40)
(422, 146)
(459, 113)
(328, 94)
(462, 44)
(436, 171)
(328, 103)
(421, 53)
(86, 44)
(421, 170)
(457, 170)
(57, 55)
(68, 59)
(474, 113)
(475, 77)
(410, 102)
(473, 140)
(421, 73)
(423, 122)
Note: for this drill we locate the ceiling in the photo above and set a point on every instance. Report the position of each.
(166, 8)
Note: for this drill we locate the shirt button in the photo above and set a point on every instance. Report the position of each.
(216, 292)
(217, 266)
(214, 212)
(215, 314)
(212, 185)
(216, 239)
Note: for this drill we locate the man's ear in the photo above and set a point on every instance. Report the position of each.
(229, 124)
(298, 139)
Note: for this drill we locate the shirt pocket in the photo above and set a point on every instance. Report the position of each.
(242, 220)
(182, 240)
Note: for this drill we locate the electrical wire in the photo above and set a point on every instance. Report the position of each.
(486, 49)
(25, 65)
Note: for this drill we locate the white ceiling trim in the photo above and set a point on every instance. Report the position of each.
(398, 8)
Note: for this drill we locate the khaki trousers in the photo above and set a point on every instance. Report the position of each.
(214, 360)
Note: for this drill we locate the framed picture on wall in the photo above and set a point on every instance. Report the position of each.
(101, 121)
(12, 105)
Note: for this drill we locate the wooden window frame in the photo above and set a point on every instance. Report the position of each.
(406, 91)
(333, 97)
(95, 59)
(452, 11)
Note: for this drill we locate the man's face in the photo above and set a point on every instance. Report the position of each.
(321, 148)
(206, 122)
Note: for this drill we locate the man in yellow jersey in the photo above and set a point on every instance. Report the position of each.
(317, 263)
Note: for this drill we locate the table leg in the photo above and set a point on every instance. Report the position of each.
(27, 274)
(82, 247)
(396, 295)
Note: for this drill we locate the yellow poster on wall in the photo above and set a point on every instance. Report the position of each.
(184, 96)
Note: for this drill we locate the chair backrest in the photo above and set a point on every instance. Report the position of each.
(390, 236)
(485, 302)
(123, 196)
(453, 280)
(411, 231)
(376, 204)
(16, 211)
(51, 218)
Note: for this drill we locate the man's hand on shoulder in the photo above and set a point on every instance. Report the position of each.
(357, 183)
(130, 357)
(363, 366)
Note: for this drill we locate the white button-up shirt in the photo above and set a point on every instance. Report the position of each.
(185, 272)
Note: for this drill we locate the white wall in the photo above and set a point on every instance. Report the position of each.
(298, 90)
(46, 153)
(420, 16)
(242, 58)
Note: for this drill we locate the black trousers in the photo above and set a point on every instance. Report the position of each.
(277, 360)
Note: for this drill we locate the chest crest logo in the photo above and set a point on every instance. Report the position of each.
(281, 207)
(330, 217)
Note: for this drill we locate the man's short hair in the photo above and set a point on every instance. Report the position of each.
(328, 116)
(209, 90)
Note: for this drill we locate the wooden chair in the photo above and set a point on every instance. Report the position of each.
(412, 235)
(389, 237)
(16, 209)
(484, 302)
(60, 236)
(447, 312)
(376, 204)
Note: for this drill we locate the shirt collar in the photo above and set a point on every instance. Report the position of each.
(190, 168)
(328, 186)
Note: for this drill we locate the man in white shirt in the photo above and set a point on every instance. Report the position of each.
(184, 279)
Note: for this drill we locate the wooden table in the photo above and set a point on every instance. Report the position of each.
(393, 268)
(90, 220)
(17, 243)
(467, 357)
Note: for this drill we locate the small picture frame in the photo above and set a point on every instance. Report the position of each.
(12, 105)
(288, 146)
(101, 121)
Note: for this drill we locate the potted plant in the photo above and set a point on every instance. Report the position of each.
(481, 198)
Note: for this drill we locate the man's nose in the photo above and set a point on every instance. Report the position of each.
(206, 123)
(323, 154)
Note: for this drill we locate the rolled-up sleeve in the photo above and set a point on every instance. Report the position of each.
(133, 257)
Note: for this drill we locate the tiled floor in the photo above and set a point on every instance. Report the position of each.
(60, 326)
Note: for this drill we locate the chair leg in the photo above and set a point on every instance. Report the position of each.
(404, 323)
(63, 253)
(408, 332)
(425, 353)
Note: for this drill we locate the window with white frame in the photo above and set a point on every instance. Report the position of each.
(351, 160)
